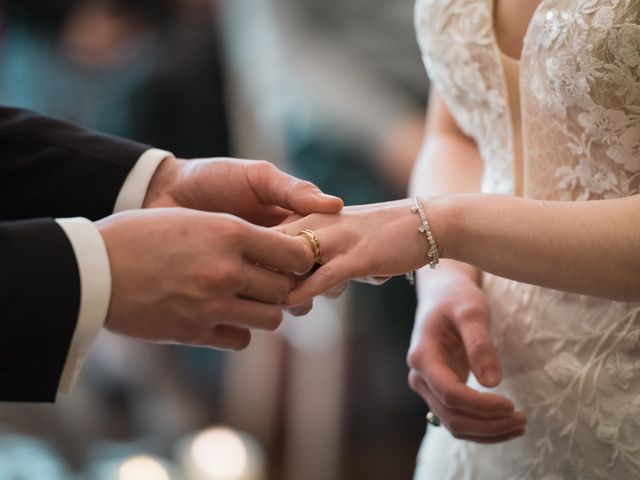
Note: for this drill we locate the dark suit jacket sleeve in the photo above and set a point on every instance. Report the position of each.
(48, 168)
(51, 168)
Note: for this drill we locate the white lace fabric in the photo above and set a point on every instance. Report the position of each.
(571, 362)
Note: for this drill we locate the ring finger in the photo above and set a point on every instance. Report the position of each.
(460, 423)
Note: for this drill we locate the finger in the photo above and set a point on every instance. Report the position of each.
(265, 285)
(373, 280)
(292, 228)
(228, 337)
(275, 187)
(322, 280)
(451, 392)
(249, 314)
(473, 328)
(478, 427)
(301, 310)
(462, 424)
(272, 216)
(278, 251)
(335, 292)
(492, 440)
(294, 217)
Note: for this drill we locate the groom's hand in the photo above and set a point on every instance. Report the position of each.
(253, 190)
(189, 277)
(451, 338)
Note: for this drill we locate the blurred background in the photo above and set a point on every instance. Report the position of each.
(333, 92)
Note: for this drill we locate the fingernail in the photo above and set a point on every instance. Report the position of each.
(490, 376)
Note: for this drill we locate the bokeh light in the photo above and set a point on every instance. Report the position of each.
(220, 453)
(142, 467)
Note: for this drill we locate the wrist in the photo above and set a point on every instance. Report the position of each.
(449, 272)
(444, 215)
(448, 268)
(453, 277)
(160, 184)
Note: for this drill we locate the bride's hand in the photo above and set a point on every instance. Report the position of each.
(451, 338)
(378, 240)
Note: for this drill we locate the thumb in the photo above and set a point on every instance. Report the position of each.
(275, 187)
(472, 323)
(305, 198)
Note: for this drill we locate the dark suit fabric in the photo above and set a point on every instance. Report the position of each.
(48, 169)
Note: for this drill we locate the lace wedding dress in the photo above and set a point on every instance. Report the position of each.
(561, 124)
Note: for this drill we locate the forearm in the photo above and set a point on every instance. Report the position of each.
(447, 164)
(590, 248)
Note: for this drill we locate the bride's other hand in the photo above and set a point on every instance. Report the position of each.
(451, 338)
(378, 240)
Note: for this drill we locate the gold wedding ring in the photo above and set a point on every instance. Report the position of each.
(432, 419)
(314, 243)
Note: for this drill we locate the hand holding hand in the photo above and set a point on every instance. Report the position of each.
(450, 339)
(253, 190)
(189, 277)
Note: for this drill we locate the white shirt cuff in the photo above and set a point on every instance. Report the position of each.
(134, 188)
(95, 293)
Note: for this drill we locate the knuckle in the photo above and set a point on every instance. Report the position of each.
(414, 357)
(448, 399)
(336, 292)
(208, 280)
(204, 282)
(283, 290)
(230, 231)
(274, 319)
(297, 187)
(455, 425)
(478, 348)
(414, 380)
(261, 173)
(226, 274)
(327, 275)
(305, 185)
(472, 312)
(212, 311)
(236, 280)
(263, 166)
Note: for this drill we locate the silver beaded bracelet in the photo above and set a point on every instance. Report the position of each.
(425, 228)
